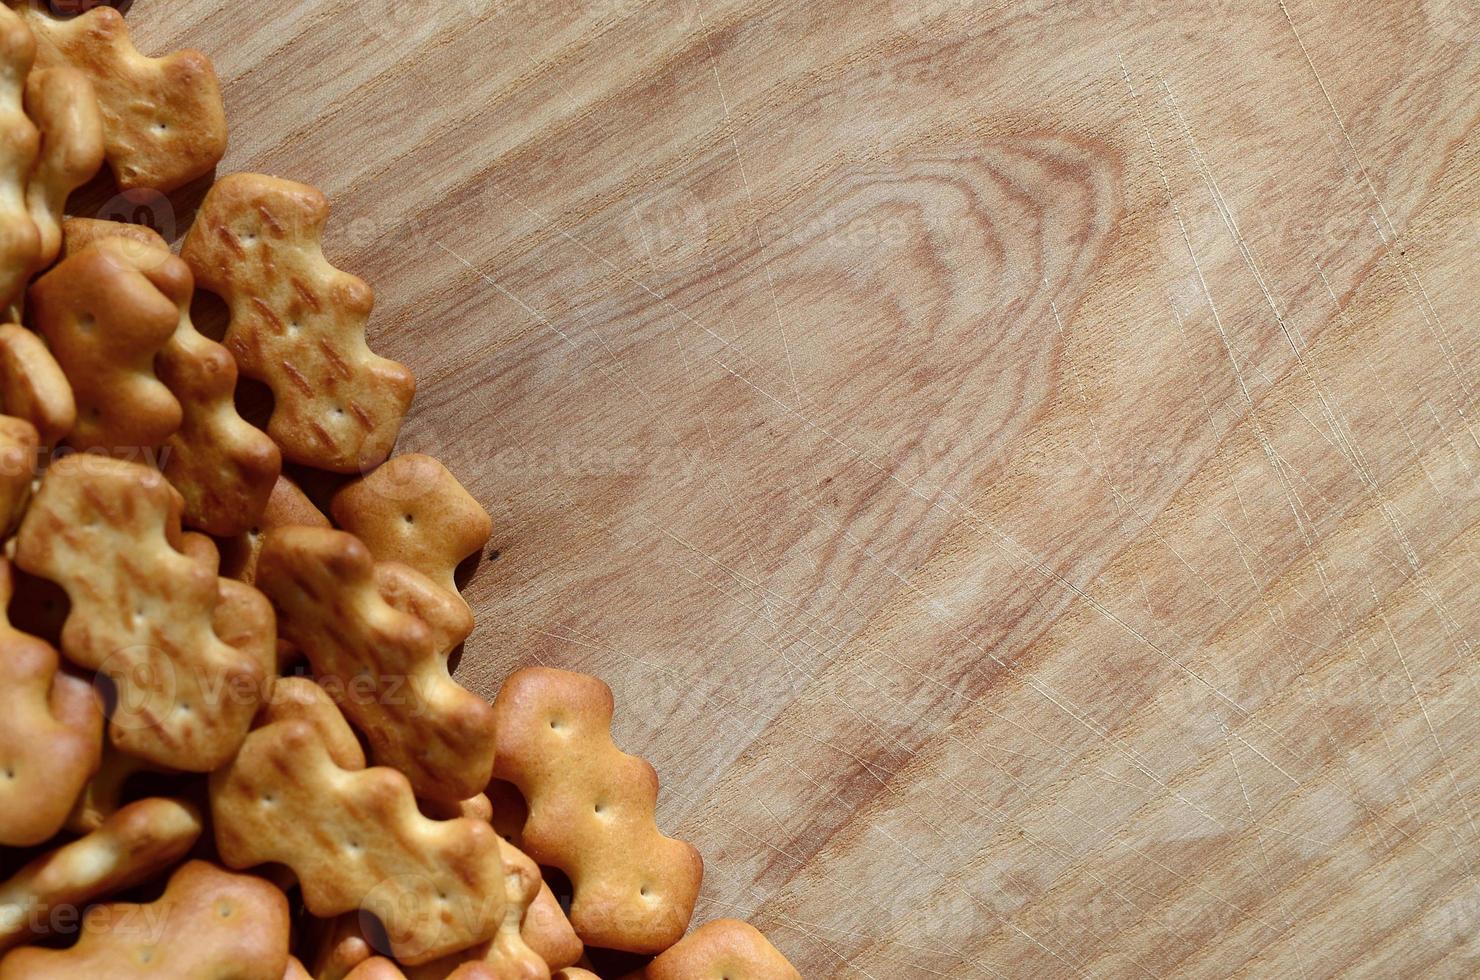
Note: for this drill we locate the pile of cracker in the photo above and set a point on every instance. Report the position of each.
(251, 730)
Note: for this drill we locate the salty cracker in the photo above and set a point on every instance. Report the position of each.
(298, 323)
(19, 446)
(51, 732)
(507, 954)
(20, 242)
(591, 812)
(132, 846)
(32, 385)
(287, 506)
(142, 612)
(106, 315)
(61, 102)
(382, 666)
(356, 841)
(725, 949)
(209, 925)
(79, 233)
(412, 510)
(164, 124)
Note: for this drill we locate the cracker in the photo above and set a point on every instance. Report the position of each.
(574, 973)
(32, 385)
(79, 233)
(64, 108)
(19, 445)
(164, 124)
(725, 949)
(142, 613)
(356, 841)
(132, 846)
(209, 924)
(298, 323)
(106, 315)
(382, 666)
(412, 510)
(591, 812)
(287, 506)
(224, 467)
(51, 733)
(20, 242)
(506, 955)
(549, 933)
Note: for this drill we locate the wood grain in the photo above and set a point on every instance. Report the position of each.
(1015, 462)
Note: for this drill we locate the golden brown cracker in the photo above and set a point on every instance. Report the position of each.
(298, 323)
(287, 506)
(382, 666)
(79, 233)
(142, 612)
(61, 103)
(591, 812)
(725, 949)
(106, 316)
(210, 924)
(356, 841)
(51, 733)
(20, 242)
(33, 386)
(413, 511)
(164, 124)
(132, 846)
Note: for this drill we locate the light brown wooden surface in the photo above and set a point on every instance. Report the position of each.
(1016, 463)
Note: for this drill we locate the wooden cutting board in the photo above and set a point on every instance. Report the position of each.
(1016, 462)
